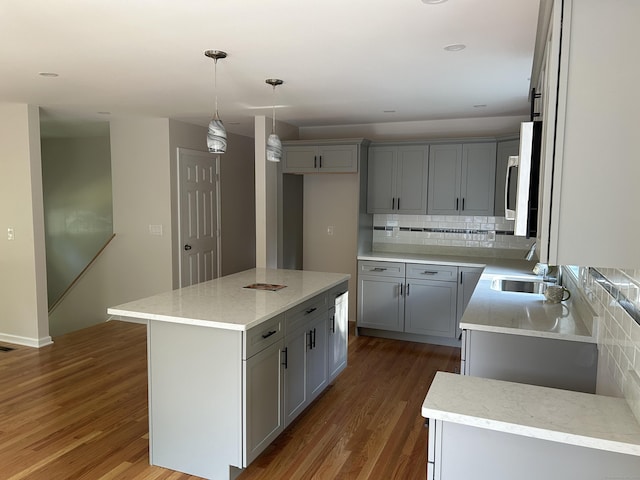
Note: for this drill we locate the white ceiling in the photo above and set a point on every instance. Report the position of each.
(343, 62)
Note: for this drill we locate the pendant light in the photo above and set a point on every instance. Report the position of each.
(274, 145)
(217, 135)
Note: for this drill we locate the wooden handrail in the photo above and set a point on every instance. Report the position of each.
(75, 280)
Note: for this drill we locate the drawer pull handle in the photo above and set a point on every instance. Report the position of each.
(286, 358)
(429, 272)
(268, 334)
(379, 269)
(311, 310)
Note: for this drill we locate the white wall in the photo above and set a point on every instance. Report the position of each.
(23, 288)
(332, 200)
(135, 264)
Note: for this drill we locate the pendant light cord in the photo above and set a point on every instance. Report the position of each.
(273, 128)
(215, 83)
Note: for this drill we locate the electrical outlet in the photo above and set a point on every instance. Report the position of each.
(11, 234)
(330, 230)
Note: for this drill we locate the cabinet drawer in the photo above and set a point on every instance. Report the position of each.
(300, 314)
(260, 337)
(386, 269)
(432, 272)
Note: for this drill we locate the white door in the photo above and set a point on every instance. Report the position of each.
(198, 216)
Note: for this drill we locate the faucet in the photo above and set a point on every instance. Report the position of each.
(531, 251)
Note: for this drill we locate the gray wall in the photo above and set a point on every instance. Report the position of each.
(78, 213)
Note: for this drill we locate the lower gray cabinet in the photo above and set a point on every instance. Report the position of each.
(263, 415)
(468, 279)
(430, 307)
(408, 298)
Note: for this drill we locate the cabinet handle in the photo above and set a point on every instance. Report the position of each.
(462, 203)
(408, 285)
(286, 358)
(313, 344)
(268, 334)
(393, 203)
(429, 272)
(315, 160)
(320, 161)
(311, 310)
(333, 323)
(398, 203)
(401, 290)
(309, 344)
(457, 201)
(379, 269)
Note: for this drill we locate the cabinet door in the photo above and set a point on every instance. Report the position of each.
(295, 374)
(430, 308)
(381, 302)
(381, 181)
(317, 350)
(299, 159)
(478, 178)
(411, 186)
(504, 151)
(338, 159)
(338, 336)
(445, 162)
(263, 420)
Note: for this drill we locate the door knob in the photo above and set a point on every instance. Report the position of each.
(187, 247)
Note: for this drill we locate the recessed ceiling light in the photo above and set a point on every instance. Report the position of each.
(104, 113)
(433, 2)
(48, 74)
(480, 105)
(455, 47)
(389, 111)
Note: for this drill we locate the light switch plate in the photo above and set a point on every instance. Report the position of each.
(11, 235)
(155, 230)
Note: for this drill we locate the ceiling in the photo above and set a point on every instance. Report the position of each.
(343, 62)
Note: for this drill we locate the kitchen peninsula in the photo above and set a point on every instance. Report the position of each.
(234, 360)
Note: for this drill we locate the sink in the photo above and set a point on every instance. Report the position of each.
(518, 285)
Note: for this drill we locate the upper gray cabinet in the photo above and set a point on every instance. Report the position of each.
(590, 169)
(506, 149)
(330, 156)
(397, 179)
(462, 179)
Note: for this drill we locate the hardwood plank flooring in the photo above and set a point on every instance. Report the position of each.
(78, 410)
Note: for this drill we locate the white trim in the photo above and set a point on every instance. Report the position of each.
(26, 341)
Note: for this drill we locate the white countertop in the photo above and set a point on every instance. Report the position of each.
(225, 303)
(505, 312)
(582, 419)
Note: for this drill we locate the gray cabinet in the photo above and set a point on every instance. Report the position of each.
(589, 152)
(380, 295)
(462, 179)
(263, 406)
(415, 299)
(397, 179)
(305, 355)
(330, 156)
(505, 149)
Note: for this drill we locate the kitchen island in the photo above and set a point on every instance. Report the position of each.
(233, 361)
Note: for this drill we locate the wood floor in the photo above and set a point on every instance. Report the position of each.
(78, 410)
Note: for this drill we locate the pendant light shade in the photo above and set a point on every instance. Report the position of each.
(274, 145)
(216, 135)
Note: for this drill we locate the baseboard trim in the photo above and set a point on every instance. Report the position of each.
(26, 341)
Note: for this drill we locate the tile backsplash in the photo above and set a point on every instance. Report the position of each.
(614, 294)
(427, 233)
